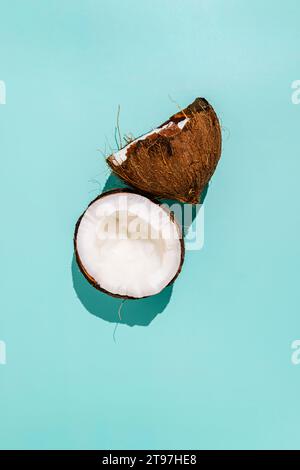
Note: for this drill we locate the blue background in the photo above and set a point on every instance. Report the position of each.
(208, 364)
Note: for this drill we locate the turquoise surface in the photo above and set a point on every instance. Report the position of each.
(207, 364)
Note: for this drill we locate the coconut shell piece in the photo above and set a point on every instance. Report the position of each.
(175, 160)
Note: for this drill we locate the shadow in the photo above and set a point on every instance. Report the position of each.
(134, 312)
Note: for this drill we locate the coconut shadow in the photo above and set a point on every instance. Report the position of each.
(134, 312)
(139, 312)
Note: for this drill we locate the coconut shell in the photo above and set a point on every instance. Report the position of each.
(89, 278)
(175, 160)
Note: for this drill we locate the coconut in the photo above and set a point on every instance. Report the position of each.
(128, 245)
(177, 159)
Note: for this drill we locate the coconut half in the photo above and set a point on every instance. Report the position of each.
(128, 245)
(177, 159)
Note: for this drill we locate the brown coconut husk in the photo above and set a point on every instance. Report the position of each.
(171, 162)
(90, 279)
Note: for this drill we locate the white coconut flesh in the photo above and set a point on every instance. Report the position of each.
(129, 245)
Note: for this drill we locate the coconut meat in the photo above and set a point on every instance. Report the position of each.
(129, 245)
